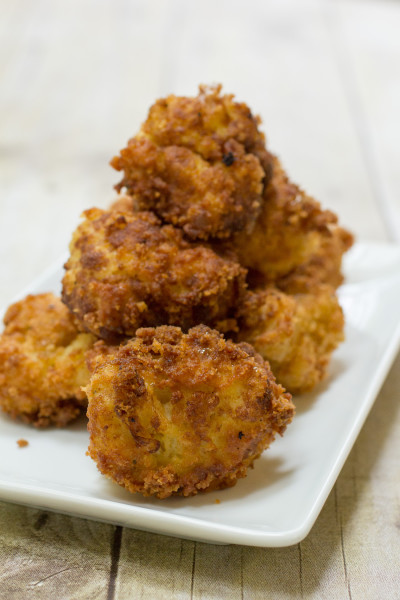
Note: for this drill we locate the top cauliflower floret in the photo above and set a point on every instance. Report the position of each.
(198, 163)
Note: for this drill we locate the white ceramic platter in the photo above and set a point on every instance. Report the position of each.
(279, 501)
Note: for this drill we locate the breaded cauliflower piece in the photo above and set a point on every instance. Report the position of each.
(127, 271)
(174, 414)
(295, 333)
(325, 266)
(123, 204)
(198, 163)
(290, 230)
(42, 362)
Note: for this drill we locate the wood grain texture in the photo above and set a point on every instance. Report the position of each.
(77, 79)
(368, 500)
(47, 555)
(150, 564)
(73, 91)
(279, 58)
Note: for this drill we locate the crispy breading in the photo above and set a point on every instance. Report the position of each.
(123, 203)
(175, 121)
(174, 414)
(199, 163)
(325, 266)
(127, 271)
(290, 230)
(42, 362)
(295, 333)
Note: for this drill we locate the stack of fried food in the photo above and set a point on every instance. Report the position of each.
(210, 275)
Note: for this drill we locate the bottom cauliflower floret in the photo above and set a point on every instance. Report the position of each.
(42, 362)
(173, 413)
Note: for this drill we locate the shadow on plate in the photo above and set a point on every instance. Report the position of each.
(267, 473)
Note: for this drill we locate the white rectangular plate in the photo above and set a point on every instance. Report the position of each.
(280, 499)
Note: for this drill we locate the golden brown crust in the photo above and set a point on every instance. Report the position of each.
(123, 203)
(199, 163)
(289, 231)
(205, 123)
(295, 333)
(324, 266)
(42, 362)
(127, 271)
(173, 413)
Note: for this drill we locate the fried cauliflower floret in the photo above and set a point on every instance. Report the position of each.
(325, 266)
(289, 231)
(198, 163)
(174, 414)
(42, 362)
(295, 333)
(127, 271)
(123, 204)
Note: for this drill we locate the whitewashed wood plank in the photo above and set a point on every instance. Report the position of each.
(217, 572)
(278, 56)
(368, 497)
(312, 569)
(77, 81)
(76, 91)
(271, 573)
(46, 555)
(323, 571)
(154, 567)
(368, 35)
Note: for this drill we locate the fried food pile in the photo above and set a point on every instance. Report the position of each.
(290, 247)
(209, 269)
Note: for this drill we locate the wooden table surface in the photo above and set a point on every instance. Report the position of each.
(77, 78)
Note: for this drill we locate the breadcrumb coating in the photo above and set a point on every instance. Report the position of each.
(127, 271)
(198, 163)
(295, 333)
(295, 244)
(290, 230)
(123, 203)
(42, 362)
(325, 266)
(175, 414)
